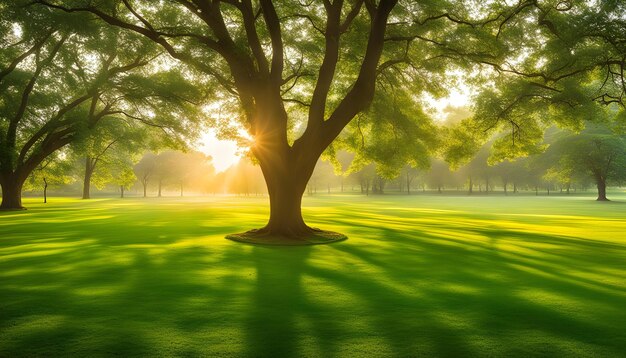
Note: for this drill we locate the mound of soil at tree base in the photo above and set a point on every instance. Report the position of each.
(317, 237)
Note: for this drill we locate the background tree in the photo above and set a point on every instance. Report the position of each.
(113, 143)
(185, 168)
(124, 177)
(58, 82)
(144, 170)
(596, 153)
(51, 172)
(439, 175)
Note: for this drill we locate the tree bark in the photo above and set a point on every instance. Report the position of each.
(11, 192)
(160, 184)
(601, 185)
(286, 182)
(121, 191)
(89, 168)
(45, 191)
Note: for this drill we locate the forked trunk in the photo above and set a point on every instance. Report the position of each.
(11, 193)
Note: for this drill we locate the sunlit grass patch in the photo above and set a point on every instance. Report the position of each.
(419, 275)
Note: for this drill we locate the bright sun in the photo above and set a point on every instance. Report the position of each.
(223, 152)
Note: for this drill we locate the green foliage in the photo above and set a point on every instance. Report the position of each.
(595, 153)
(54, 172)
(568, 70)
(392, 134)
(68, 79)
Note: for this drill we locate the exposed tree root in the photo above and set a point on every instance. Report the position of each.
(267, 236)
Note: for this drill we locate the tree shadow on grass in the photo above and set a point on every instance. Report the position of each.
(550, 301)
(278, 297)
(137, 283)
(162, 283)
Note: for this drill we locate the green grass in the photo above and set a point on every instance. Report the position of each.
(419, 275)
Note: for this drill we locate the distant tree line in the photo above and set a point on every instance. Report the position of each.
(569, 162)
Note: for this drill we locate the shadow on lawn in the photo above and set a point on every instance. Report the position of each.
(134, 282)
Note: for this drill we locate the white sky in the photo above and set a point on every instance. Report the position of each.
(223, 152)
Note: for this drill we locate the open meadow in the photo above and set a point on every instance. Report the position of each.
(419, 276)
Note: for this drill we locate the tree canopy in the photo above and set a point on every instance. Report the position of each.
(59, 82)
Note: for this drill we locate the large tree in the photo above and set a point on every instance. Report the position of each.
(59, 82)
(302, 71)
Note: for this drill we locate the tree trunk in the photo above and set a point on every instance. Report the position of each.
(89, 168)
(121, 191)
(408, 185)
(505, 185)
(11, 192)
(514, 187)
(601, 185)
(45, 191)
(160, 184)
(286, 183)
(145, 185)
(181, 189)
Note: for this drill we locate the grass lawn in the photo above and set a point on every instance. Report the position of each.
(419, 276)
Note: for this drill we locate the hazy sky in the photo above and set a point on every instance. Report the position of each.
(224, 152)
